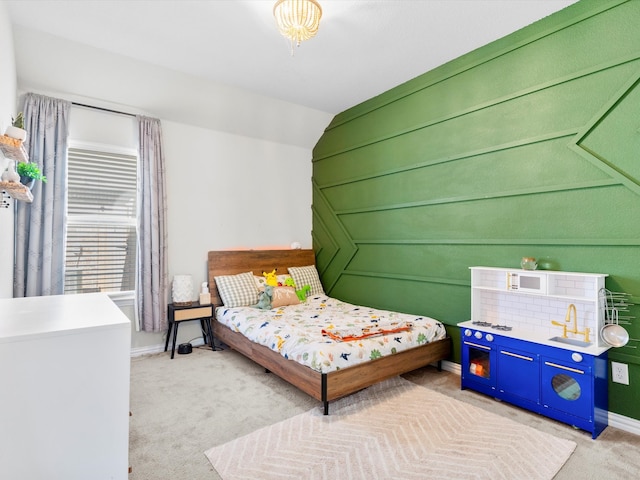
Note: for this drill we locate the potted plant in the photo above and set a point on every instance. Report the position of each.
(29, 173)
(16, 129)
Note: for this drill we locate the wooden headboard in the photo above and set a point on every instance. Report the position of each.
(232, 262)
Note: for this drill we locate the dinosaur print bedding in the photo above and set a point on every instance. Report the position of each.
(327, 334)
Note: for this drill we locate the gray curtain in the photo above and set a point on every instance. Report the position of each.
(151, 275)
(41, 225)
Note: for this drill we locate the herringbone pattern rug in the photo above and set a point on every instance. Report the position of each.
(393, 430)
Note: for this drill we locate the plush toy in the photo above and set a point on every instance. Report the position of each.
(265, 299)
(304, 292)
(289, 282)
(271, 278)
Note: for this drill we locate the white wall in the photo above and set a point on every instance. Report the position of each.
(102, 128)
(46, 62)
(7, 110)
(229, 187)
(227, 191)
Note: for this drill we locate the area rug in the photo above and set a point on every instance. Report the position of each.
(393, 430)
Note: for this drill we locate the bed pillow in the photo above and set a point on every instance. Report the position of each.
(237, 290)
(283, 296)
(307, 276)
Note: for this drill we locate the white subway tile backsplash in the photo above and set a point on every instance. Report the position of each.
(493, 303)
(530, 312)
(575, 292)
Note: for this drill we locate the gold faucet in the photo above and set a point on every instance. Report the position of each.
(567, 319)
(563, 325)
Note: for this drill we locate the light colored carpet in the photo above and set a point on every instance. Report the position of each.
(184, 406)
(393, 430)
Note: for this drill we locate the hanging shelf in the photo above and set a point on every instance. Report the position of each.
(13, 149)
(17, 191)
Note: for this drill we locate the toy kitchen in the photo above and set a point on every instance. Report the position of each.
(539, 339)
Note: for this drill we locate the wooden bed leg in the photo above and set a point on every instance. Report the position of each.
(323, 385)
(439, 365)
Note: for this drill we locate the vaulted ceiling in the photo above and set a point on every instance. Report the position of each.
(363, 48)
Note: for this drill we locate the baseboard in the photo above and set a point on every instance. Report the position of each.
(451, 367)
(627, 424)
(139, 351)
(616, 420)
(149, 349)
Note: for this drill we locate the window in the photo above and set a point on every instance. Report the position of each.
(101, 222)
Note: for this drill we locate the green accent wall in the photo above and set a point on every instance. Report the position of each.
(528, 146)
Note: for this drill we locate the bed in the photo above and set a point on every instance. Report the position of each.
(324, 381)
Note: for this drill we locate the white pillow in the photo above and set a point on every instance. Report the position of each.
(237, 290)
(307, 276)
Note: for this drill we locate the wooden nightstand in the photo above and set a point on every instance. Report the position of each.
(177, 314)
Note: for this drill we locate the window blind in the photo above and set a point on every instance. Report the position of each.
(101, 222)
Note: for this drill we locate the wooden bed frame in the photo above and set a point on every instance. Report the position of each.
(324, 387)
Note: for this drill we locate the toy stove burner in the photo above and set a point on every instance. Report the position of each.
(504, 328)
(482, 324)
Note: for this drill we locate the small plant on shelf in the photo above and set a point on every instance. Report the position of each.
(29, 171)
(18, 122)
(16, 129)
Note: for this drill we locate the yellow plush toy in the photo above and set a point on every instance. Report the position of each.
(271, 278)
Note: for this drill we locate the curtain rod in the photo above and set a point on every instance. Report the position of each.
(103, 109)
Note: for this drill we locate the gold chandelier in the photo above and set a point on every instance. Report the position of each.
(297, 20)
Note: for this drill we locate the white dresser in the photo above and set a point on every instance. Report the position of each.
(64, 388)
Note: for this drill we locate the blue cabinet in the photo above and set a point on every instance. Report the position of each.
(574, 388)
(562, 384)
(567, 388)
(518, 371)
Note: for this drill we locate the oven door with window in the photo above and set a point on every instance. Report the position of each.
(478, 364)
(567, 387)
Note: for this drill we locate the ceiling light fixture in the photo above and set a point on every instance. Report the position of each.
(298, 20)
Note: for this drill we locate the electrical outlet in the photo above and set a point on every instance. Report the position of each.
(620, 373)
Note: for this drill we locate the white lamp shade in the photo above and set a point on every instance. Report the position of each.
(182, 290)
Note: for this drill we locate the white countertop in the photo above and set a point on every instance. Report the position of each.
(22, 318)
(530, 336)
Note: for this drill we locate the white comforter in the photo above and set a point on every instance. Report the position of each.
(296, 331)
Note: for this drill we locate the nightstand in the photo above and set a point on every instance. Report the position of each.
(177, 314)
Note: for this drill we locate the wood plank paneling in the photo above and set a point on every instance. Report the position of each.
(529, 146)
